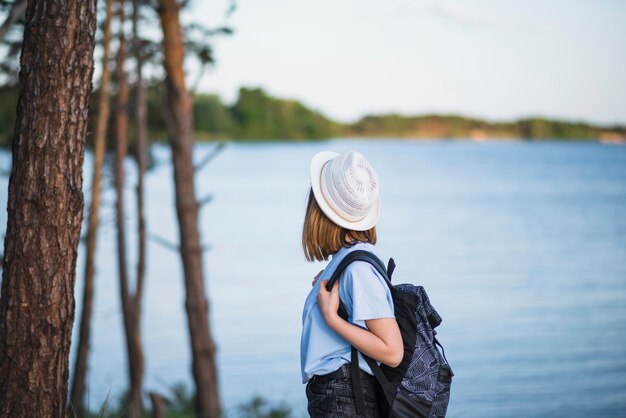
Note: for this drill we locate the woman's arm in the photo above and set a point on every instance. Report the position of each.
(381, 341)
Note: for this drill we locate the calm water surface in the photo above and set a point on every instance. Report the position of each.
(521, 246)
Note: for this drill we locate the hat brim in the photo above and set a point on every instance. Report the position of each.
(317, 163)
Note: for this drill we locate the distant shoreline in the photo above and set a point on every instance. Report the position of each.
(205, 139)
(259, 117)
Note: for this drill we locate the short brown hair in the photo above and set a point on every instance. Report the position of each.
(321, 237)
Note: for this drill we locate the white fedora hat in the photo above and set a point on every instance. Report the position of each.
(346, 189)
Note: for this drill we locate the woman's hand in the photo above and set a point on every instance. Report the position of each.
(328, 302)
(381, 340)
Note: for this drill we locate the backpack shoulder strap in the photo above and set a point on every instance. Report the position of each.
(358, 255)
(369, 257)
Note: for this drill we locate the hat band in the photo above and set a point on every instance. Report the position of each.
(333, 197)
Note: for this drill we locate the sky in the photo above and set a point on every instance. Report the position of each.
(493, 59)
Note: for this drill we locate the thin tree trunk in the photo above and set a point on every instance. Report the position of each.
(130, 308)
(17, 11)
(141, 156)
(45, 207)
(77, 407)
(141, 124)
(180, 127)
(158, 405)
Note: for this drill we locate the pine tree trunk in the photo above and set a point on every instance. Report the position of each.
(45, 207)
(158, 405)
(77, 397)
(180, 128)
(130, 307)
(141, 157)
(141, 142)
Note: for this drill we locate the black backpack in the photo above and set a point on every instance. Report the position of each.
(420, 385)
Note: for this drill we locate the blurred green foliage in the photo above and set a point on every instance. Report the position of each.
(258, 407)
(455, 126)
(259, 116)
(211, 117)
(180, 403)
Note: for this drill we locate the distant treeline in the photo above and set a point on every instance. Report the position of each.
(258, 116)
(454, 126)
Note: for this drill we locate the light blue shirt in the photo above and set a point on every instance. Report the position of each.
(365, 295)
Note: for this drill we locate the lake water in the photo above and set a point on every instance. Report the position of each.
(520, 245)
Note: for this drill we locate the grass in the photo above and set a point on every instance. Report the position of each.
(180, 403)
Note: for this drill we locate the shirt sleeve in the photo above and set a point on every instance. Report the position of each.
(366, 292)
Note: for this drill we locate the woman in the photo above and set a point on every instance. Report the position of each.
(341, 214)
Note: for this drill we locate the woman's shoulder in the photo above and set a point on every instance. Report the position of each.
(365, 287)
(360, 270)
(363, 273)
(363, 265)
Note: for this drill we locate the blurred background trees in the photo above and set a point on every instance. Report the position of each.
(129, 90)
(179, 118)
(77, 392)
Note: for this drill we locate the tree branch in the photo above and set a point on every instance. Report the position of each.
(164, 242)
(212, 154)
(206, 199)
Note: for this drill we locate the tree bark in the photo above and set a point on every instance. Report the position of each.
(77, 397)
(180, 128)
(45, 207)
(158, 405)
(141, 146)
(130, 306)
